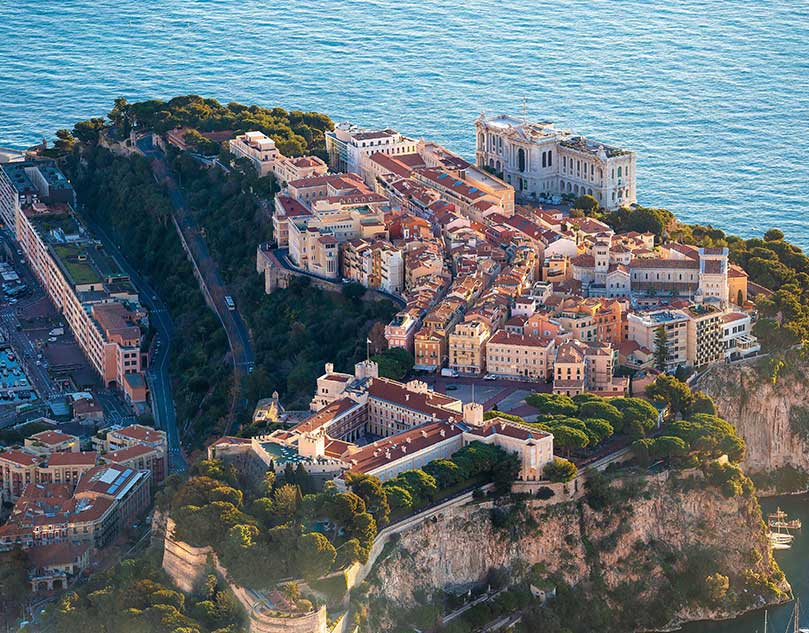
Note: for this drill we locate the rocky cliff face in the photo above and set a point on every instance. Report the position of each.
(768, 416)
(637, 554)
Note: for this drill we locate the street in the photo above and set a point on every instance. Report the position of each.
(210, 281)
(157, 374)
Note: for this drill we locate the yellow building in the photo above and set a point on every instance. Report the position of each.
(467, 346)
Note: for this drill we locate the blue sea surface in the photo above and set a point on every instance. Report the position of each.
(714, 96)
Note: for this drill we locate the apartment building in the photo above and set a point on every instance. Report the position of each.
(469, 200)
(429, 350)
(705, 334)
(47, 442)
(394, 407)
(24, 183)
(467, 346)
(374, 264)
(401, 331)
(643, 328)
(520, 356)
(19, 468)
(737, 338)
(256, 147)
(541, 161)
(349, 146)
(587, 367)
(135, 446)
(95, 296)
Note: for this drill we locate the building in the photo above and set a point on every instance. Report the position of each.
(737, 338)
(643, 328)
(394, 407)
(544, 162)
(350, 147)
(137, 447)
(47, 442)
(24, 183)
(587, 368)
(705, 335)
(258, 148)
(520, 356)
(19, 468)
(93, 293)
(467, 346)
(374, 264)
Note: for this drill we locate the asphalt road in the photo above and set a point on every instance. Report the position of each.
(157, 374)
(212, 284)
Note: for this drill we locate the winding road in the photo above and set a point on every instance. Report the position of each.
(210, 280)
(157, 374)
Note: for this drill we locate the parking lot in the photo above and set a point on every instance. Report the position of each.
(41, 341)
(501, 394)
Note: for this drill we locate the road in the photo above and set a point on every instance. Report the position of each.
(210, 281)
(157, 374)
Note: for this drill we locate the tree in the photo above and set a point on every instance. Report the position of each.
(552, 404)
(88, 131)
(569, 438)
(285, 500)
(395, 363)
(717, 585)
(702, 403)
(353, 291)
(64, 141)
(446, 472)
(560, 470)
(661, 352)
(586, 203)
(14, 580)
(773, 235)
(371, 491)
(669, 448)
(668, 390)
(314, 555)
(399, 497)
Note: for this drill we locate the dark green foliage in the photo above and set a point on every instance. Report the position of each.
(394, 363)
(136, 596)
(560, 470)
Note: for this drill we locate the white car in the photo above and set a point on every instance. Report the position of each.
(490, 377)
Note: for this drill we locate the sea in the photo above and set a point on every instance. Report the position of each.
(713, 95)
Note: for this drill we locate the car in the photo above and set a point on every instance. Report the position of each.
(490, 377)
(451, 387)
(51, 339)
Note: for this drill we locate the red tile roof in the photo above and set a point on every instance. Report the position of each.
(86, 458)
(20, 457)
(52, 437)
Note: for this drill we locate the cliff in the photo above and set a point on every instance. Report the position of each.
(772, 417)
(647, 553)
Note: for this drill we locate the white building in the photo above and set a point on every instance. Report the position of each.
(258, 148)
(349, 146)
(543, 161)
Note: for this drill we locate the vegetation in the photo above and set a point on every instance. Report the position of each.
(394, 363)
(16, 588)
(560, 470)
(137, 596)
(585, 421)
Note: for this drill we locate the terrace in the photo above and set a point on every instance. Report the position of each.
(76, 264)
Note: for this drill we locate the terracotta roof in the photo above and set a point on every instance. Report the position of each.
(20, 457)
(52, 437)
(500, 426)
(389, 450)
(733, 316)
(326, 415)
(664, 263)
(87, 458)
(429, 403)
(131, 452)
(584, 260)
(140, 432)
(230, 440)
(56, 554)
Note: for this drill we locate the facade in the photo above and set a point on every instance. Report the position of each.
(258, 148)
(95, 296)
(24, 183)
(737, 338)
(587, 367)
(541, 161)
(374, 264)
(467, 346)
(135, 446)
(520, 356)
(349, 146)
(643, 328)
(705, 333)
(19, 468)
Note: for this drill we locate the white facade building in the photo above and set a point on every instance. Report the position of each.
(349, 146)
(541, 161)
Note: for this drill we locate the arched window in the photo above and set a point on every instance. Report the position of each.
(497, 165)
(619, 172)
(550, 158)
(521, 159)
(544, 159)
(491, 162)
(481, 141)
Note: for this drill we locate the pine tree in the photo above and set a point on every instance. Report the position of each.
(661, 352)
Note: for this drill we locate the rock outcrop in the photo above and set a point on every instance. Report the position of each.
(766, 415)
(631, 551)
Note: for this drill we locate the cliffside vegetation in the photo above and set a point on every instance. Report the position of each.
(120, 195)
(137, 597)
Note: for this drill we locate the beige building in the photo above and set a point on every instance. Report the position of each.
(587, 368)
(374, 264)
(643, 327)
(543, 162)
(520, 356)
(258, 148)
(467, 346)
(136, 446)
(350, 147)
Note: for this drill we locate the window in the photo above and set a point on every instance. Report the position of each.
(544, 159)
(521, 159)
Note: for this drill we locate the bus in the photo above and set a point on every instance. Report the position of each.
(229, 302)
